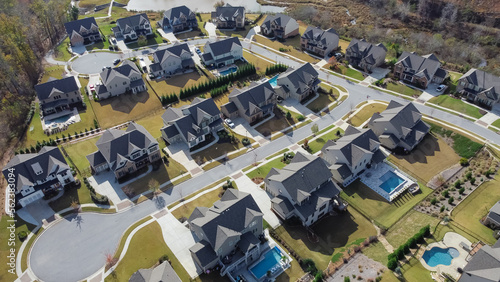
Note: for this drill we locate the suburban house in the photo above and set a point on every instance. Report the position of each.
(229, 233)
(304, 189)
(124, 151)
(399, 126)
(298, 83)
(252, 103)
(483, 266)
(58, 95)
(172, 60)
(119, 80)
(493, 217)
(480, 87)
(223, 52)
(130, 28)
(161, 272)
(178, 19)
(83, 32)
(318, 41)
(227, 16)
(419, 70)
(33, 175)
(351, 154)
(191, 124)
(280, 26)
(365, 55)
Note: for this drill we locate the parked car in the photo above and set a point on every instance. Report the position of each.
(229, 123)
(441, 87)
(197, 50)
(116, 62)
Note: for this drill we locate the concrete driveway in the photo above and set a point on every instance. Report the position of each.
(430, 92)
(168, 34)
(243, 128)
(377, 73)
(210, 28)
(94, 62)
(180, 153)
(36, 212)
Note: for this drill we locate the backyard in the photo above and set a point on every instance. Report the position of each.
(259, 63)
(276, 45)
(403, 89)
(78, 152)
(431, 156)
(457, 104)
(354, 227)
(408, 226)
(377, 208)
(366, 113)
(175, 84)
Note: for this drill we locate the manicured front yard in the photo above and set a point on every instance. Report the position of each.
(323, 99)
(456, 105)
(140, 255)
(476, 206)
(276, 45)
(263, 170)
(403, 89)
(429, 158)
(352, 227)
(496, 123)
(351, 72)
(318, 143)
(278, 122)
(80, 195)
(207, 200)
(218, 149)
(377, 208)
(366, 113)
(61, 52)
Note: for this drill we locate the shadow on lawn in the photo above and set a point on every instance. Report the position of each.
(363, 191)
(125, 103)
(427, 148)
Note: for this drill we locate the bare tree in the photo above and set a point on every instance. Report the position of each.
(219, 4)
(154, 186)
(424, 8)
(448, 15)
(402, 10)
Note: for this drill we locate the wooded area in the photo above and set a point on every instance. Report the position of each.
(29, 29)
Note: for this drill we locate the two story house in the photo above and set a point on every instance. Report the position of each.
(83, 32)
(59, 95)
(318, 41)
(493, 217)
(223, 52)
(229, 232)
(298, 83)
(365, 55)
(119, 80)
(351, 154)
(399, 126)
(191, 124)
(124, 151)
(480, 87)
(280, 26)
(304, 189)
(228, 17)
(172, 60)
(178, 19)
(252, 102)
(130, 28)
(419, 70)
(483, 266)
(33, 175)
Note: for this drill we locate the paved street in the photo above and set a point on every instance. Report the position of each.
(59, 251)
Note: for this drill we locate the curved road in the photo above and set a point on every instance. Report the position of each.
(75, 248)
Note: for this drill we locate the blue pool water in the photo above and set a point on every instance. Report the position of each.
(273, 81)
(228, 71)
(436, 256)
(60, 119)
(271, 259)
(390, 181)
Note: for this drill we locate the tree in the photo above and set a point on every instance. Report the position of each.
(314, 129)
(219, 4)
(154, 187)
(288, 115)
(74, 13)
(392, 264)
(142, 40)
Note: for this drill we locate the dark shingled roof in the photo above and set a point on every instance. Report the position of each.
(127, 24)
(253, 95)
(317, 35)
(483, 266)
(175, 50)
(367, 50)
(125, 70)
(56, 87)
(163, 272)
(228, 12)
(223, 46)
(76, 25)
(230, 107)
(486, 82)
(280, 20)
(301, 77)
(422, 66)
(203, 252)
(176, 12)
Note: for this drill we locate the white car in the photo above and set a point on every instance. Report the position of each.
(229, 123)
(441, 87)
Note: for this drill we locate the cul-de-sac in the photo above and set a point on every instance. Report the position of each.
(258, 140)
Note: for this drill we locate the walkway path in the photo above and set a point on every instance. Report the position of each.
(383, 240)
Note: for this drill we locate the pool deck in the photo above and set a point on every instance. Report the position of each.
(371, 178)
(450, 240)
(75, 117)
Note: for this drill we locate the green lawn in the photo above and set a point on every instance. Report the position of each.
(61, 52)
(496, 123)
(377, 208)
(219, 149)
(408, 226)
(79, 151)
(323, 99)
(276, 45)
(81, 195)
(125, 235)
(456, 105)
(415, 271)
(463, 146)
(468, 213)
(140, 255)
(278, 153)
(318, 143)
(259, 63)
(52, 71)
(352, 227)
(262, 170)
(278, 122)
(154, 40)
(207, 200)
(366, 113)
(377, 252)
(403, 89)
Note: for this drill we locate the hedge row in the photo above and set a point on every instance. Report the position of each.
(96, 197)
(404, 249)
(276, 68)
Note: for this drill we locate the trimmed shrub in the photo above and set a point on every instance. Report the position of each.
(464, 162)
(392, 264)
(412, 242)
(406, 248)
(434, 201)
(22, 235)
(301, 118)
(450, 200)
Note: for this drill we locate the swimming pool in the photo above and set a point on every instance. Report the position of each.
(273, 81)
(61, 119)
(228, 71)
(390, 181)
(436, 256)
(270, 262)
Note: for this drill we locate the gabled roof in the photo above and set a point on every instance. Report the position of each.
(483, 266)
(228, 12)
(280, 20)
(56, 87)
(402, 117)
(367, 50)
(301, 77)
(176, 50)
(75, 26)
(253, 95)
(177, 12)
(116, 145)
(126, 70)
(227, 218)
(318, 35)
(421, 65)
(224, 46)
(302, 176)
(495, 212)
(483, 80)
(48, 160)
(163, 272)
(128, 23)
(189, 118)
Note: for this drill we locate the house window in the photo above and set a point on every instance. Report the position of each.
(124, 82)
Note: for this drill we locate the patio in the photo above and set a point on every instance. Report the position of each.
(60, 121)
